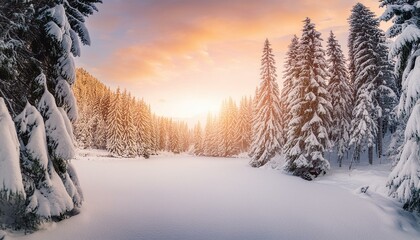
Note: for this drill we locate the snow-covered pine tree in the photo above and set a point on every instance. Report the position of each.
(129, 127)
(210, 136)
(144, 126)
(185, 136)
(228, 115)
(168, 127)
(341, 97)
(11, 176)
(162, 133)
(155, 135)
(388, 93)
(12, 192)
(36, 66)
(99, 125)
(175, 137)
(404, 180)
(266, 141)
(198, 140)
(364, 127)
(115, 131)
(60, 142)
(99, 140)
(371, 72)
(244, 125)
(48, 197)
(310, 110)
(290, 75)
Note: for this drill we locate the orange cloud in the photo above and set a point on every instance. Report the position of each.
(200, 49)
(175, 32)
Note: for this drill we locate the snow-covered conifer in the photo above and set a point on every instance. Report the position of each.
(364, 127)
(266, 140)
(115, 131)
(36, 61)
(244, 124)
(198, 140)
(228, 115)
(144, 125)
(11, 185)
(210, 136)
(341, 97)
(310, 110)
(46, 192)
(404, 180)
(129, 127)
(371, 71)
(290, 76)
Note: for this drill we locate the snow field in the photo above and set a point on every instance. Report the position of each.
(184, 197)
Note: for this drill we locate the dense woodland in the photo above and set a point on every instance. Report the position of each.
(125, 126)
(122, 124)
(326, 103)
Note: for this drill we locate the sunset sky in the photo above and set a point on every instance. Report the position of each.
(185, 56)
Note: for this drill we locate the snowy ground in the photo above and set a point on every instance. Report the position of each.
(194, 198)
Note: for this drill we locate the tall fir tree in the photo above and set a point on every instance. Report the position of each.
(267, 129)
(244, 125)
(37, 53)
(290, 76)
(115, 131)
(228, 117)
(404, 180)
(310, 110)
(372, 81)
(155, 135)
(341, 97)
(198, 140)
(145, 129)
(129, 127)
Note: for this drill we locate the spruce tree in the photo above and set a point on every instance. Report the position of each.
(198, 140)
(290, 76)
(266, 141)
(144, 125)
(37, 72)
(47, 198)
(129, 128)
(244, 125)
(115, 131)
(310, 110)
(364, 127)
(175, 138)
(155, 135)
(403, 182)
(228, 117)
(211, 136)
(371, 79)
(341, 97)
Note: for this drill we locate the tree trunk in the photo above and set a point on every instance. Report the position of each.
(380, 137)
(340, 160)
(371, 155)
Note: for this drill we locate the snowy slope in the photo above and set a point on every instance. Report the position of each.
(191, 198)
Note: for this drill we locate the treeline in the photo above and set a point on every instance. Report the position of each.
(122, 124)
(225, 134)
